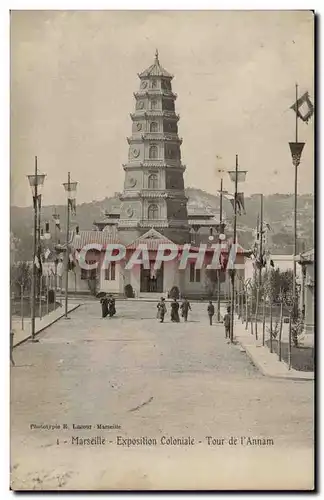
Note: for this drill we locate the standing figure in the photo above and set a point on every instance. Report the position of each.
(161, 310)
(104, 305)
(175, 311)
(211, 312)
(227, 322)
(185, 308)
(112, 307)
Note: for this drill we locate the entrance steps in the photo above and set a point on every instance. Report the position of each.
(155, 296)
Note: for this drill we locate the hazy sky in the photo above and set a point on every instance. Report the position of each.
(73, 74)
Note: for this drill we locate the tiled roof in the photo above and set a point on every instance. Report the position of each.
(152, 239)
(202, 222)
(156, 69)
(193, 210)
(113, 210)
(89, 237)
(309, 253)
(150, 244)
(308, 256)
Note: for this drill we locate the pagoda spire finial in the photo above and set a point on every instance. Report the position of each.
(156, 55)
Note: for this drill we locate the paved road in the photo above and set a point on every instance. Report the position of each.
(153, 380)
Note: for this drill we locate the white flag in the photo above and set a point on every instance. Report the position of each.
(60, 269)
(47, 253)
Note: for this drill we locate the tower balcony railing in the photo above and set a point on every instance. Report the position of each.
(168, 222)
(153, 223)
(155, 92)
(155, 136)
(156, 163)
(152, 113)
(163, 193)
(161, 136)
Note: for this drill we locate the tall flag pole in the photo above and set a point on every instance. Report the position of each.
(295, 207)
(296, 149)
(296, 137)
(220, 231)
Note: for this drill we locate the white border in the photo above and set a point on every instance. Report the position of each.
(4, 198)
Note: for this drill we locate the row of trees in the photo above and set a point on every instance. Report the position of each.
(274, 300)
(271, 302)
(20, 278)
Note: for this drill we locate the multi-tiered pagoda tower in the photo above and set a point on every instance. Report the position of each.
(153, 194)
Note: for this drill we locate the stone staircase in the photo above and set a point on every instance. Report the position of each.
(154, 296)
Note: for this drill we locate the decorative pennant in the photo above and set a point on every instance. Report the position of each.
(303, 107)
(296, 149)
(38, 262)
(60, 269)
(240, 202)
(57, 222)
(47, 253)
(72, 204)
(71, 263)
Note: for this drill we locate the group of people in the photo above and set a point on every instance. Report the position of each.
(109, 309)
(185, 307)
(108, 306)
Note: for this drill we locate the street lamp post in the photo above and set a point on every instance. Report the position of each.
(56, 219)
(236, 176)
(70, 188)
(296, 149)
(220, 172)
(36, 182)
(220, 239)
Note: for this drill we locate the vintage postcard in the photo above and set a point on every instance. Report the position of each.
(162, 250)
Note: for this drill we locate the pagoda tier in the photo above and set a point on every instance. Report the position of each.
(154, 92)
(151, 113)
(154, 165)
(158, 136)
(153, 192)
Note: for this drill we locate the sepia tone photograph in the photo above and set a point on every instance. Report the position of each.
(162, 250)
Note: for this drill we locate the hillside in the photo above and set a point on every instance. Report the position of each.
(278, 212)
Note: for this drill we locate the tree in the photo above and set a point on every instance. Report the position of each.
(286, 283)
(20, 277)
(278, 284)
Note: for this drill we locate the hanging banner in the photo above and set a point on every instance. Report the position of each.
(303, 107)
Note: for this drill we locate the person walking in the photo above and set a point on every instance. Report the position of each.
(210, 311)
(104, 306)
(227, 322)
(161, 310)
(111, 306)
(185, 308)
(175, 311)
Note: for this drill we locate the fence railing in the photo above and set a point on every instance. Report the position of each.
(281, 327)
